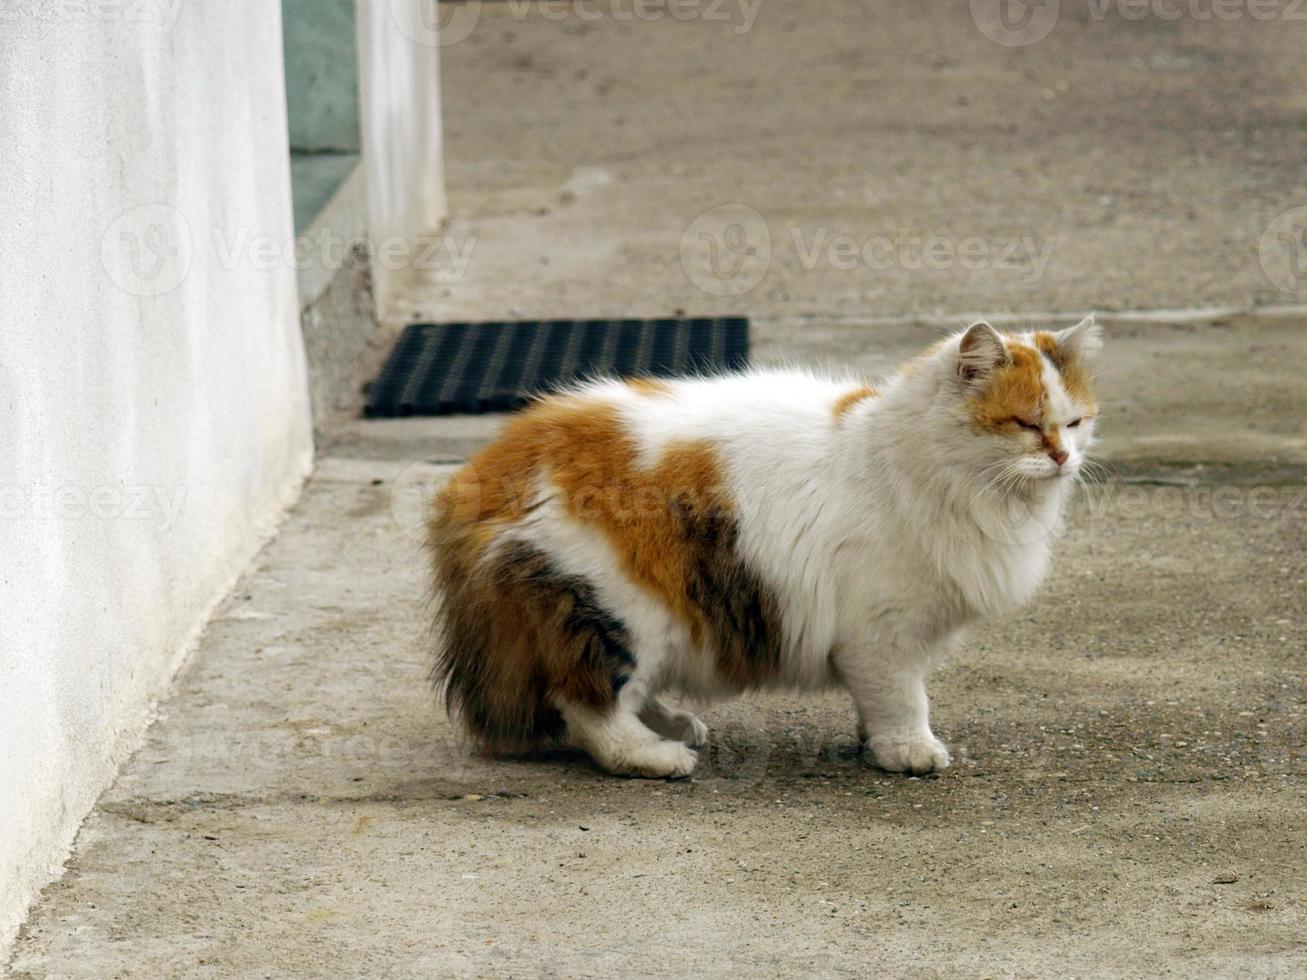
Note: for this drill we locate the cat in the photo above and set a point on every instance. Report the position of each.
(772, 528)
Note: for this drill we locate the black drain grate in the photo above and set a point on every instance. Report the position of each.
(438, 369)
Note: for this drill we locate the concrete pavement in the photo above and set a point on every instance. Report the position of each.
(302, 807)
(869, 159)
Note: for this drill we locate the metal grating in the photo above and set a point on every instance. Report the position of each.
(440, 369)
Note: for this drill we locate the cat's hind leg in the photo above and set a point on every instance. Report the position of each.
(674, 723)
(623, 744)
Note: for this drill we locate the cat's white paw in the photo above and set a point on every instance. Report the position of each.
(916, 754)
(662, 759)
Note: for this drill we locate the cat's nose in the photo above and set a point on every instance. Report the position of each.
(1059, 456)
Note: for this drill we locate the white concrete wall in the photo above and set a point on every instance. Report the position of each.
(399, 110)
(153, 413)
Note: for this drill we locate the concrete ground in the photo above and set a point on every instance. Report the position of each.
(1130, 793)
(1114, 164)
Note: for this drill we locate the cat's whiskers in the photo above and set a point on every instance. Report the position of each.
(1006, 481)
(974, 480)
(1092, 478)
(974, 491)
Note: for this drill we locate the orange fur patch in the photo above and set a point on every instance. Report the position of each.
(670, 524)
(1074, 377)
(648, 386)
(590, 459)
(1016, 390)
(846, 401)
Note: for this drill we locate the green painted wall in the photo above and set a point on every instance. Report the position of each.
(321, 74)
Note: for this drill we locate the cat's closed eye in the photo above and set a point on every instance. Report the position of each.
(1032, 426)
(1072, 425)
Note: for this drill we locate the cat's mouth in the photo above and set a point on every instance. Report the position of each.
(1064, 472)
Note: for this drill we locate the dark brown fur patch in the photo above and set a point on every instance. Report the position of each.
(739, 615)
(509, 651)
(514, 634)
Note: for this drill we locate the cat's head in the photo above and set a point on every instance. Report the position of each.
(1026, 401)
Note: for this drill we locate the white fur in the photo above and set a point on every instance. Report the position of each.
(883, 535)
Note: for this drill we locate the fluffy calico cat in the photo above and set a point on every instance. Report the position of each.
(767, 529)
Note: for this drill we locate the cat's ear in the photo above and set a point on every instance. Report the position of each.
(979, 353)
(1081, 342)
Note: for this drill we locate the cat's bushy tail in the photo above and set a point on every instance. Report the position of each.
(515, 635)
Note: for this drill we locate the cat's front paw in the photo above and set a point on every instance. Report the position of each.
(916, 754)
